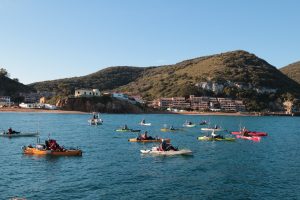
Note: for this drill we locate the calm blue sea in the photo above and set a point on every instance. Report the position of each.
(113, 168)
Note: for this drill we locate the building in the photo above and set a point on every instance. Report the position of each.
(199, 103)
(5, 101)
(120, 96)
(87, 93)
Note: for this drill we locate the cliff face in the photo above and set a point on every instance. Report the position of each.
(100, 104)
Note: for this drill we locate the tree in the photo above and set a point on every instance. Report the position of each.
(3, 72)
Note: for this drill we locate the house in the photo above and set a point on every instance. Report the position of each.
(5, 101)
(87, 93)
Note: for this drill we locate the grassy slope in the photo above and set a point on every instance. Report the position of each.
(292, 71)
(236, 66)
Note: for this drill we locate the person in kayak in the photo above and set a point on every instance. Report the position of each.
(214, 135)
(164, 146)
(172, 128)
(10, 131)
(125, 127)
(143, 121)
(245, 132)
(145, 136)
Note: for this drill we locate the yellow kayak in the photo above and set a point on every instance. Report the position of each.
(168, 130)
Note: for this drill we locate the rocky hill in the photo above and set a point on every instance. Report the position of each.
(231, 69)
(237, 67)
(292, 71)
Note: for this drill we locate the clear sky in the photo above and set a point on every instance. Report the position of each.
(51, 39)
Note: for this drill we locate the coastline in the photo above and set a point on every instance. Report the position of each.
(214, 113)
(30, 110)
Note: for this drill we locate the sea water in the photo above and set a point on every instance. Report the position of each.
(113, 168)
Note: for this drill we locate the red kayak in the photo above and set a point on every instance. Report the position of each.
(253, 138)
(251, 133)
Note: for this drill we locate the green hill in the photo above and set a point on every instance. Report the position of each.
(237, 66)
(105, 79)
(292, 71)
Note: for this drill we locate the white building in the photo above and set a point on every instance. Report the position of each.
(5, 101)
(120, 96)
(87, 93)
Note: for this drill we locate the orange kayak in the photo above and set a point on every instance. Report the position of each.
(36, 151)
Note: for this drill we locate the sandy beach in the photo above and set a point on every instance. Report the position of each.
(28, 110)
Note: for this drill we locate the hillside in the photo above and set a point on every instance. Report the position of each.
(235, 66)
(105, 79)
(9, 87)
(292, 71)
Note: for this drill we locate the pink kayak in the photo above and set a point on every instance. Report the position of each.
(253, 138)
(252, 133)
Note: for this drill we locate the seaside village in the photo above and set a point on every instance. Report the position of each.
(174, 104)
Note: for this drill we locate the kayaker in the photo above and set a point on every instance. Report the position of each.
(143, 121)
(172, 128)
(10, 131)
(125, 127)
(164, 146)
(213, 135)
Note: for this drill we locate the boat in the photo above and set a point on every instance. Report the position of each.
(203, 123)
(253, 138)
(20, 134)
(95, 120)
(127, 130)
(212, 129)
(189, 124)
(50, 148)
(156, 151)
(152, 140)
(143, 123)
(250, 133)
(206, 138)
(169, 130)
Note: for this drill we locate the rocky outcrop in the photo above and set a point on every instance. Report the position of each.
(101, 104)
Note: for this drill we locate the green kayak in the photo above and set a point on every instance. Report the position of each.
(205, 138)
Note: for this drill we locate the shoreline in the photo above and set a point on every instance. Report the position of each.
(30, 110)
(244, 114)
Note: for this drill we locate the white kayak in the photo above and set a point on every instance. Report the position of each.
(21, 134)
(211, 129)
(145, 124)
(155, 151)
(189, 125)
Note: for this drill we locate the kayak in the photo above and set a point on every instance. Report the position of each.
(145, 124)
(205, 138)
(211, 129)
(253, 138)
(168, 130)
(189, 125)
(32, 134)
(154, 140)
(251, 133)
(37, 151)
(127, 130)
(155, 151)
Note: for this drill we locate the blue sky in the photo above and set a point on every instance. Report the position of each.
(51, 39)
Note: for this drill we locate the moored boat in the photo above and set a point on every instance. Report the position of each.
(95, 120)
